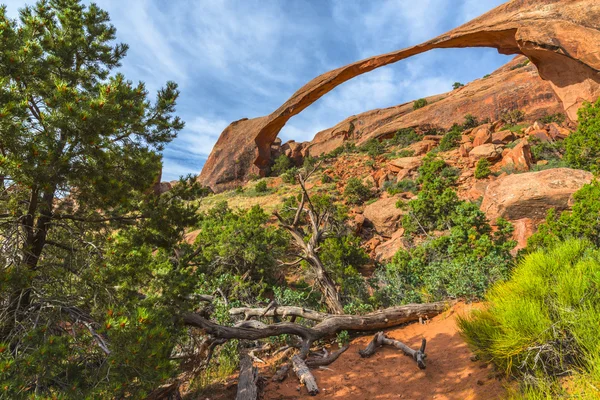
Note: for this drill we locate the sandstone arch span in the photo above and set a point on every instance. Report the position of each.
(561, 37)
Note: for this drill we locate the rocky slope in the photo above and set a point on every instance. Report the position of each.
(560, 37)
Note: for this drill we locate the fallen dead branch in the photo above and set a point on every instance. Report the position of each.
(304, 375)
(380, 339)
(328, 359)
(247, 389)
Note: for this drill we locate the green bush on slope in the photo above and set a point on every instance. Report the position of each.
(543, 322)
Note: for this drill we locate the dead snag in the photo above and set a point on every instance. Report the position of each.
(320, 362)
(304, 375)
(380, 339)
(247, 389)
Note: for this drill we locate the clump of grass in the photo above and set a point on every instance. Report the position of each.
(542, 324)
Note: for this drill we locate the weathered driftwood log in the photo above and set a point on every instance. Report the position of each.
(320, 362)
(380, 339)
(247, 389)
(285, 311)
(304, 375)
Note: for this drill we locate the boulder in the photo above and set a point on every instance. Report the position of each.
(386, 250)
(519, 158)
(422, 147)
(541, 135)
(489, 151)
(293, 150)
(503, 137)
(557, 132)
(405, 163)
(532, 194)
(524, 228)
(464, 149)
(162, 187)
(482, 135)
(384, 215)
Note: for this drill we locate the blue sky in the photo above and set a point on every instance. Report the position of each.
(238, 59)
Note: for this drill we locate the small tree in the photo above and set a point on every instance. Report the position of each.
(482, 170)
(282, 164)
(457, 85)
(356, 192)
(583, 146)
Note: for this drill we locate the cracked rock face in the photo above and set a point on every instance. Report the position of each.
(560, 37)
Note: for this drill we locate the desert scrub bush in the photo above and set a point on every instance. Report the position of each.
(405, 185)
(482, 170)
(543, 322)
(558, 118)
(346, 148)
(486, 76)
(436, 200)
(290, 175)
(512, 117)
(325, 178)
(405, 137)
(549, 151)
(460, 264)
(373, 147)
(470, 122)
(419, 104)
(281, 164)
(582, 147)
(457, 85)
(356, 192)
(261, 187)
(520, 65)
(451, 140)
(582, 221)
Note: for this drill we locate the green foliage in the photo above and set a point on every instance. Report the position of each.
(281, 165)
(436, 201)
(342, 338)
(325, 178)
(470, 122)
(346, 148)
(549, 151)
(261, 187)
(290, 175)
(419, 104)
(461, 264)
(238, 242)
(356, 192)
(558, 118)
(521, 65)
(457, 85)
(405, 185)
(542, 323)
(582, 147)
(486, 76)
(451, 140)
(405, 137)
(582, 221)
(482, 170)
(512, 117)
(373, 148)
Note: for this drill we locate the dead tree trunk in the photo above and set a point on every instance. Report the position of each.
(380, 339)
(304, 375)
(247, 389)
(319, 223)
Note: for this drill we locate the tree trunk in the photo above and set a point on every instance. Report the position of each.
(247, 389)
(326, 286)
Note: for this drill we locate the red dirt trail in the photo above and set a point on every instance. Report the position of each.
(389, 374)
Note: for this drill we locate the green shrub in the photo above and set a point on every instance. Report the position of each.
(436, 201)
(521, 65)
(373, 148)
(290, 175)
(549, 151)
(282, 164)
(486, 76)
(261, 187)
(512, 117)
(457, 85)
(543, 323)
(558, 118)
(451, 140)
(482, 170)
(582, 147)
(356, 192)
(253, 177)
(405, 137)
(419, 104)
(405, 185)
(326, 179)
(346, 148)
(461, 264)
(582, 221)
(470, 122)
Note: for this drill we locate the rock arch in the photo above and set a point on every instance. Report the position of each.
(561, 37)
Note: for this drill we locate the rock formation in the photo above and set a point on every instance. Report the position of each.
(560, 37)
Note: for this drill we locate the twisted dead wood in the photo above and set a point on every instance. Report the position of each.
(380, 339)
